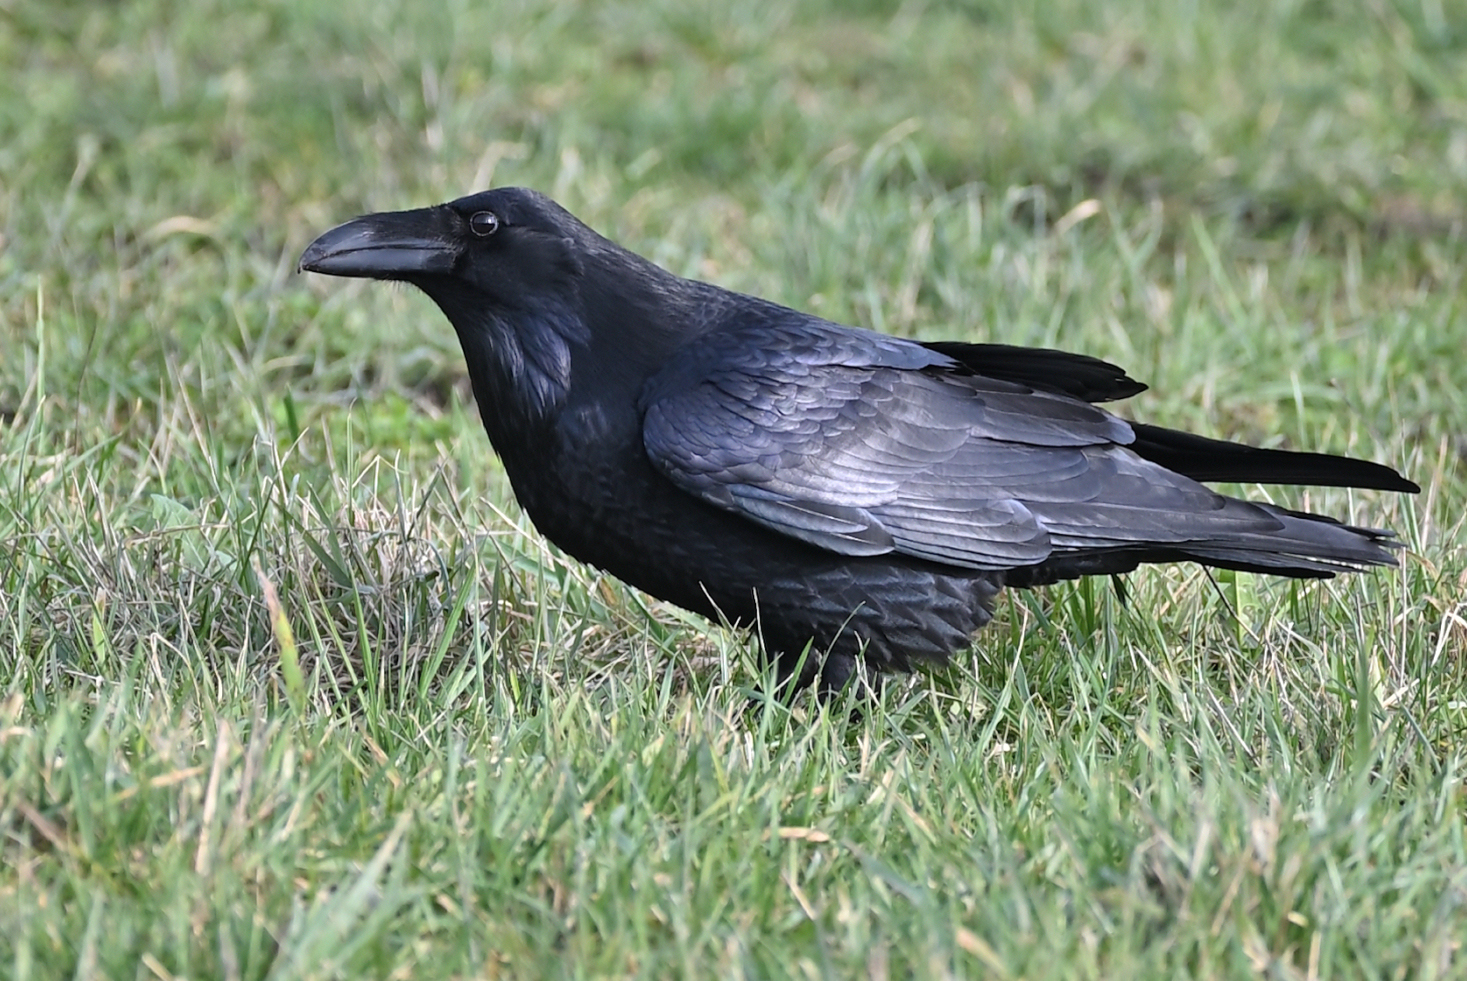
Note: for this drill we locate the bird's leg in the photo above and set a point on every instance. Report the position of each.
(794, 673)
(840, 671)
(836, 672)
(831, 675)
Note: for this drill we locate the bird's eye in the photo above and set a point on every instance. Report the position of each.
(484, 223)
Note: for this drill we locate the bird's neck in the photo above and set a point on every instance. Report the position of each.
(520, 367)
(582, 353)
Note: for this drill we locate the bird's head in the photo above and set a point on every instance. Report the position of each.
(504, 265)
(535, 296)
(497, 249)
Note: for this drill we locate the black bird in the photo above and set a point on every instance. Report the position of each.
(845, 491)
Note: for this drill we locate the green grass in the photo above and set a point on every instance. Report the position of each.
(289, 687)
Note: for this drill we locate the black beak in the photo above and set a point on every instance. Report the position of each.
(390, 245)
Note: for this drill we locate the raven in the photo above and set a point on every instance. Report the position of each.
(847, 493)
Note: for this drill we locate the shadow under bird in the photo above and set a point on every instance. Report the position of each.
(845, 491)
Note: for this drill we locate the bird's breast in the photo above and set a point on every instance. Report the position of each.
(589, 488)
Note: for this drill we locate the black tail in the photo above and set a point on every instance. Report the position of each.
(1208, 460)
(1308, 546)
(1305, 546)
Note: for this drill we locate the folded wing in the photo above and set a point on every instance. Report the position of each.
(864, 445)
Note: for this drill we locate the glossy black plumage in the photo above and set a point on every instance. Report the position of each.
(827, 484)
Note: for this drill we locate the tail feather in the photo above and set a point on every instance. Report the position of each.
(1210, 460)
(1307, 546)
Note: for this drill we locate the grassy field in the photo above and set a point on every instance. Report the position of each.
(289, 688)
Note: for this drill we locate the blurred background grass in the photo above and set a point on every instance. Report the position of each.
(497, 763)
